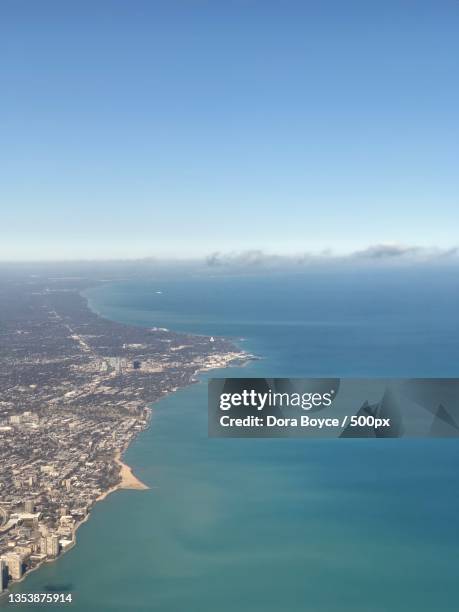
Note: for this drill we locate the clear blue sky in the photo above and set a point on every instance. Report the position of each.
(139, 128)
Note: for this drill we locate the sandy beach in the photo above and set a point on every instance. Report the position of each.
(128, 480)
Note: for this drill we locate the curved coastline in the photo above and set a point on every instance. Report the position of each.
(128, 480)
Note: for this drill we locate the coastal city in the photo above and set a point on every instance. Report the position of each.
(75, 390)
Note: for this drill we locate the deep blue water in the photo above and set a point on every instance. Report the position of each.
(281, 525)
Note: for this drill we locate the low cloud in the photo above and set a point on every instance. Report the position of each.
(251, 258)
(403, 252)
(390, 253)
(387, 251)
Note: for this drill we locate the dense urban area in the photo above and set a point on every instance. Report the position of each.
(75, 390)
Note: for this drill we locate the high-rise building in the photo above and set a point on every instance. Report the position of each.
(24, 552)
(43, 545)
(29, 506)
(14, 562)
(52, 545)
(115, 363)
(3, 575)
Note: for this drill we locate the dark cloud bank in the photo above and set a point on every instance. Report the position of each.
(389, 254)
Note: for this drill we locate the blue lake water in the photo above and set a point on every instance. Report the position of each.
(281, 525)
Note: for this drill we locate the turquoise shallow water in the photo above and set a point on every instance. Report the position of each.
(270, 525)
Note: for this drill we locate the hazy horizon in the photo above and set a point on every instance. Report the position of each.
(390, 258)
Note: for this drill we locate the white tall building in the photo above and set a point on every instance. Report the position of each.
(14, 562)
(43, 545)
(52, 545)
(115, 363)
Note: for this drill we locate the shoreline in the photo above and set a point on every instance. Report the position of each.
(128, 479)
(39, 565)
